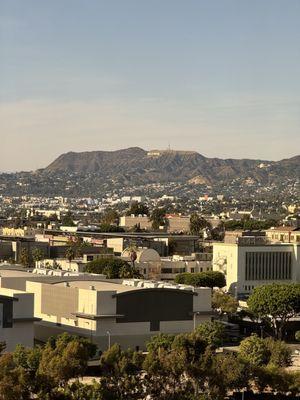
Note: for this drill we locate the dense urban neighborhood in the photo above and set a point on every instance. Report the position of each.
(160, 290)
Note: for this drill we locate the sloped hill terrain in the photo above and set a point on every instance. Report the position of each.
(135, 163)
(98, 172)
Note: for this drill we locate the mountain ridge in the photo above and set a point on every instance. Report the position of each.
(138, 165)
(94, 173)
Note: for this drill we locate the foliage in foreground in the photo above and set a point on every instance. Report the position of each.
(182, 367)
(275, 305)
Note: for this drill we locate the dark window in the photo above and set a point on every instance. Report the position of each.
(154, 325)
(268, 266)
(7, 313)
(154, 305)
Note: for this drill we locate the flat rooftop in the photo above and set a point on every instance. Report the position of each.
(141, 235)
(99, 286)
(14, 273)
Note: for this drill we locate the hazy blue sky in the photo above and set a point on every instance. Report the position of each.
(221, 77)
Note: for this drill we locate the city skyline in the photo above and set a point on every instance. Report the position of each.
(217, 78)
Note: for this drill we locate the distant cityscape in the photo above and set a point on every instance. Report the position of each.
(134, 266)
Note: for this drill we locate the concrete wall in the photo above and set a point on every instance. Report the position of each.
(22, 330)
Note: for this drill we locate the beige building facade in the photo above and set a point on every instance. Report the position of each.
(284, 234)
(130, 221)
(249, 266)
(127, 314)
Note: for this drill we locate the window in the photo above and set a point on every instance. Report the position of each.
(268, 266)
(154, 326)
(166, 271)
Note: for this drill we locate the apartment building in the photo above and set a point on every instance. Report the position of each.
(283, 234)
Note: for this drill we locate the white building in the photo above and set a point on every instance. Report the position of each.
(248, 265)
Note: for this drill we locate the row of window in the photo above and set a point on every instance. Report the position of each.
(268, 266)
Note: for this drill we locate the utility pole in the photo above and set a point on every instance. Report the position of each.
(109, 341)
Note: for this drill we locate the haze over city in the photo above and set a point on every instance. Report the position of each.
(220, 78)
(149, 200)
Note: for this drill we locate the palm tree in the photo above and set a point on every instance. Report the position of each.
(70, 254)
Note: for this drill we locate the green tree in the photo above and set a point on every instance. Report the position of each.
(137, 208)
(197, 224)
(109, 217)
(120, 371)
(212, 332)
(2, 347)
(70, 253)
(254, 350)
(280, 353)
(24, 257)
(67, 220)
(94, 391)
(265, 352)
(41, 372)
(65, 357)
(37, 254)
(206, 279)
(110, 228)
(157, 218)
(112, 267)
(275, 304)
(161, 341)
(227, 372)
(224, 303)
(11, 382)
(250, 224)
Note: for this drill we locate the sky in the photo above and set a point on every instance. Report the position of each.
(221, 77)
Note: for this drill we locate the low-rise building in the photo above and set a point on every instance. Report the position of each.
(127, 312)
(151, 266)
(177, 223)
(283, 234)
(18, 232)
(130, 221)
(16, 318)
